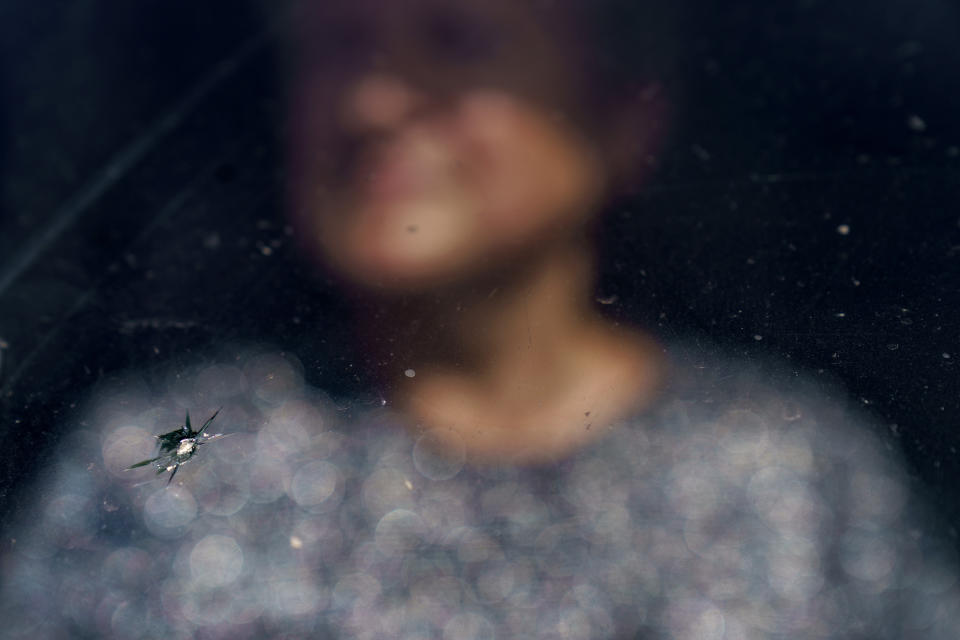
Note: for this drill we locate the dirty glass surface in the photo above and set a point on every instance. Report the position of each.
(795, 239)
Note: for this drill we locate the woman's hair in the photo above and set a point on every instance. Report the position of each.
(628, 45)
(625, 44)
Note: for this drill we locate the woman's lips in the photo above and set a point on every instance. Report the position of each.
(394, 178)
(408, 167)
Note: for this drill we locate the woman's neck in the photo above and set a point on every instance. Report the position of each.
(522, 366)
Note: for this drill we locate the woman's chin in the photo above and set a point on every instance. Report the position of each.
(398, 272)
(412, 252)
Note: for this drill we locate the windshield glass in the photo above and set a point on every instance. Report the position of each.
(523, 238)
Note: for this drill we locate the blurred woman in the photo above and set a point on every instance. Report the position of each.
(536, 471)
(450, 161)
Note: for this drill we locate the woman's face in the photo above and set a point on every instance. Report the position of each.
(436, 141)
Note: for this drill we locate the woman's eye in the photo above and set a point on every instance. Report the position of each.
(459, 38)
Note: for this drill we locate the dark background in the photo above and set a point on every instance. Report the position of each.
(141, 182)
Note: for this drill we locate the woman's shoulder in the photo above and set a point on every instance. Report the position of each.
(763, 397)
(778, 496)
(758, 416)
(750, 457)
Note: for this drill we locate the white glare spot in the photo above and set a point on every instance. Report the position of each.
(297, 596)
(314, 483)
(843, 229)
(126, 446)
(867, 557)
(758, 337)
(437, 460)
(296, 542)
(384, 491)
(216, 561)
(186, 446)
(410, 373)
(168, 512)
(398, 532)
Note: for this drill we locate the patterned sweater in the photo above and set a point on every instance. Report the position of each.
(744, 504)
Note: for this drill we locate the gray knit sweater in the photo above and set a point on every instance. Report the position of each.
(744, 504)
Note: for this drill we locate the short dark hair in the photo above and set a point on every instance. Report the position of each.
(627, 46)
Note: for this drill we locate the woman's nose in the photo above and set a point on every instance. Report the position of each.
(378, 102)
